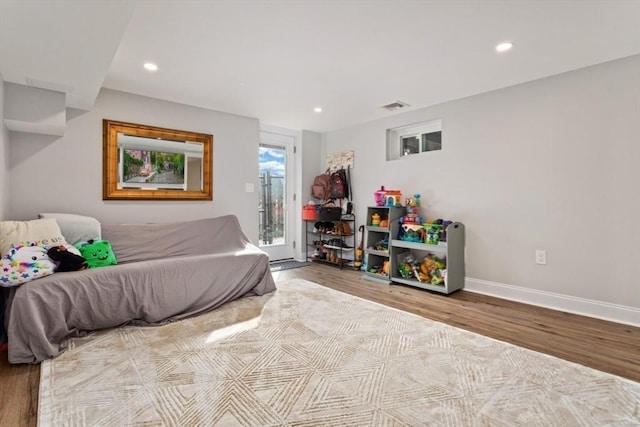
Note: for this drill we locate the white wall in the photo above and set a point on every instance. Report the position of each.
(308, 155)
(65, 174)
(4, 158)
(552, 164)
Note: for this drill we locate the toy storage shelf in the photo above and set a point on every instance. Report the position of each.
(375, 258)
(452, 250)
(378, 253)
(339, 253)
(441, 247)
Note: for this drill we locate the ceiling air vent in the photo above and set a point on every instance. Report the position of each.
(395, 106)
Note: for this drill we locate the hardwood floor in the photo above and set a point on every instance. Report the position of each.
(602, 345)
(18, 393)
(606, 346)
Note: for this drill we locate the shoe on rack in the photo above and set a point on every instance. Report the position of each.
(344, 229)
(338, 243)
(330, 243)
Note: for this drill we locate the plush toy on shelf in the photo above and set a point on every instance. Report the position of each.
(412, 205)
(432, 270)
(379, 198)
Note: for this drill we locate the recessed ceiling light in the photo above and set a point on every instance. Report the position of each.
(150, 66)
(317, 110)
(503, 47)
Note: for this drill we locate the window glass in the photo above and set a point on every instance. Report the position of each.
(410, 145)
(414, 139)
(432, 141)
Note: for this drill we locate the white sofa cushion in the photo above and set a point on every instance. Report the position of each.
(76, 228)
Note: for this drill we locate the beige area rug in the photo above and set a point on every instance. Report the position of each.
(307, 355)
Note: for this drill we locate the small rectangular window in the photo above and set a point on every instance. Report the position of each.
(414, 139)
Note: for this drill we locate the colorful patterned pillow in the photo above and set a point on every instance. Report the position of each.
(23, 263)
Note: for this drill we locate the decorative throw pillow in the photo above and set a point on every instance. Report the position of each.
(98, 253)
(76, 228)
(41, 232)
(24, 263)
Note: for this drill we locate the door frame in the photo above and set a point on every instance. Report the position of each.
(271, 135)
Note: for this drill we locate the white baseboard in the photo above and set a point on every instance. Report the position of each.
(585, 307)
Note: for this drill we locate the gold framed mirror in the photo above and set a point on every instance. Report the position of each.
(143, 162)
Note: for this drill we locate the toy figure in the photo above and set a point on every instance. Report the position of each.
(66, 260)
(98, 253)
(433, 233)
(378, 196)
(23, 263)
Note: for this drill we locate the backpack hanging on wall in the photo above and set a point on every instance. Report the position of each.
(339, 185)
(321, 188)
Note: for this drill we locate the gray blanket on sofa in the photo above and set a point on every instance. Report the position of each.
(165, 272)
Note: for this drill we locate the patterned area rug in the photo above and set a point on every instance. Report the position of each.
(287, 265)
(307, 355)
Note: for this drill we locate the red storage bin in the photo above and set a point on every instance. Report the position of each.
(309, 212)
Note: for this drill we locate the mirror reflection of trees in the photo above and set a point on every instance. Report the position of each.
(131, 166)
(153, 166)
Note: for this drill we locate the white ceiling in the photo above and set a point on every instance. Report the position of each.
(277, 60)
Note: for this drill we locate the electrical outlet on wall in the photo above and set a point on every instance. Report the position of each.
(541, 256)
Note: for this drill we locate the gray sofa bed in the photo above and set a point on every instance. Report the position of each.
(165, 272)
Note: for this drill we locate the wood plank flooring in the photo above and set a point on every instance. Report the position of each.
(599, 344)
(602, 345)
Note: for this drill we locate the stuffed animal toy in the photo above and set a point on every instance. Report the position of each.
(432, 270)
(98, 253)
(23, 263)
(66, 260)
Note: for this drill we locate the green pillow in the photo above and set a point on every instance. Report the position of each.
(98, 253)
